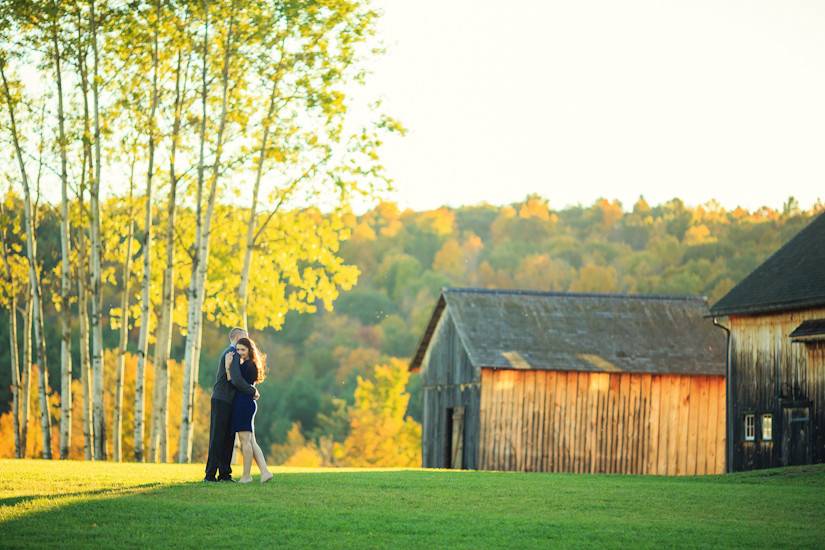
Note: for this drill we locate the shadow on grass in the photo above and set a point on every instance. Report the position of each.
(14, 501)
(423, 508)
(300, 508)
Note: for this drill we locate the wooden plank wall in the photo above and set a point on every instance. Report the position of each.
(816, 392)
(767, 370)
(554, 421)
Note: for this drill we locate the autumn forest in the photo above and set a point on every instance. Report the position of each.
(177, 168)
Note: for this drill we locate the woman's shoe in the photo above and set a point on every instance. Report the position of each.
(245, 480)
(265, 479)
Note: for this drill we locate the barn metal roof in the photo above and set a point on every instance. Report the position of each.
(792, 278)
(516, 329)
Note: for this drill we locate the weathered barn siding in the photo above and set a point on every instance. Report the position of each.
(771, 375)
(816, 371)
(561, 421)
(449, 380)
(572, 382)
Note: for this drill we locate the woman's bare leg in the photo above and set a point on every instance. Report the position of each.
(247, 450)
(260, 460)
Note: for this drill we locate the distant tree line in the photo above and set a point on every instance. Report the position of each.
(329, 364)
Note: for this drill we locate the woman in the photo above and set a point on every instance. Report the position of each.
(244, 408)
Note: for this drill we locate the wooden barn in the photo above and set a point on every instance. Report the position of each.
(775, 319)
(535, 381)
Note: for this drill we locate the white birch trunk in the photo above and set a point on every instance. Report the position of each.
(25, 405)
(86, 375)
(145, 320)
(15, 379)
(14, 359)
(192, 294)
(158, 445)
(34, 282)
(117, 421)
(65, 287)
(85, 359)
(99, 418)
(201, 260)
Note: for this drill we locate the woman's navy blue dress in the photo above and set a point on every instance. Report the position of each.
(243, 406)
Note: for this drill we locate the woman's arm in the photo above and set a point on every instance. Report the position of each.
(237, 379)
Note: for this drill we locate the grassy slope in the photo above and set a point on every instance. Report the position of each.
(82, 504)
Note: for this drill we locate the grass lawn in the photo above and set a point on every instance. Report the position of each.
(77, 504)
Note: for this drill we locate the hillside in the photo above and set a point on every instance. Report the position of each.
(74, 504)
(404, 258)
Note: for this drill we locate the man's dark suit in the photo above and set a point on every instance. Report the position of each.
(221, 440)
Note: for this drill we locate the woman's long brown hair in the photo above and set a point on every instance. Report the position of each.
(258, 359)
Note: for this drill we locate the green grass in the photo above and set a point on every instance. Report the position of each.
(77, 504)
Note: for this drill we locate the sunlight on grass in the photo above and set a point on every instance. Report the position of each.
(82, 504)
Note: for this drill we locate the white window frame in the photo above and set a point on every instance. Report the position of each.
(769, 435)
(750, 427)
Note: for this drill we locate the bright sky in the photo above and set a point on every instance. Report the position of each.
(581, 99)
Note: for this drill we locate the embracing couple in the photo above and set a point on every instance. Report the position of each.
(240, 368)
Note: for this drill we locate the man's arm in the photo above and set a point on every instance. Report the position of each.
(237, 380)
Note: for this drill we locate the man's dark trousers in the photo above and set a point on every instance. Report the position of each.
(221, 441)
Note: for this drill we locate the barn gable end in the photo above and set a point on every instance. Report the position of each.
(450, 382)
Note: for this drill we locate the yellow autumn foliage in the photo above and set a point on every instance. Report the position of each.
(380, 433)
(34, 439)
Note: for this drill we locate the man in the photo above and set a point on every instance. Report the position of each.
(221, 438)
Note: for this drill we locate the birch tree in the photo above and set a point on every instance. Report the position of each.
(65, 272)
(145, 317)
(25, 405)
(203, 222)
(82, 277)
(158, 443)
(98, 413)
(87, 376)
(306, 58)
(9, 295)
(117, 421)
(31, 254)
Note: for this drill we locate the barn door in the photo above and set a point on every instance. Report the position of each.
(796, 436)
(455, 438)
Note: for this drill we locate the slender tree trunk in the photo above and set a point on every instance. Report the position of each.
(117, 422)
(86, 375)
(13, 348)
(34, 282)
(143, 343)
(99, 417)
(15, 379)
(192, 296)
(163, 342)
(25, 405)
(85, 359)
(39, 340)
(198, 281)
(243, 291)
(145, 317)
(65, 288)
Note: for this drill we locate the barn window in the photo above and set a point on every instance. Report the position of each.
(750, 427)
(767, 427)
